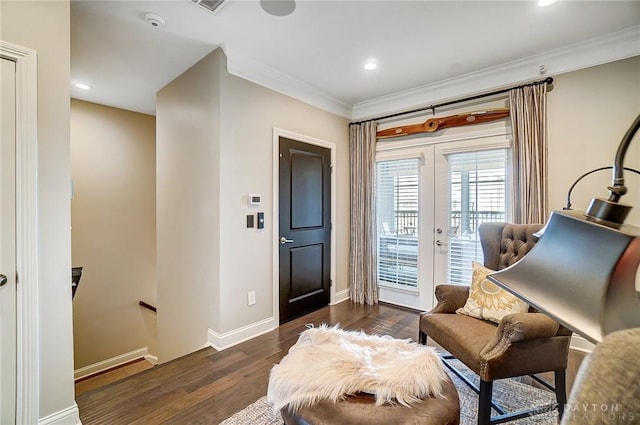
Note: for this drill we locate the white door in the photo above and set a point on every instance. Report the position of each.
(474, 183)
(7, 245)
(430, 200)
(404, 208)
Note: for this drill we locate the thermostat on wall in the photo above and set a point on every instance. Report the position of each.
(254, 200)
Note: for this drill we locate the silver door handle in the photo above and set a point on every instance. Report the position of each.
(440, 243)
(3, 279)
(284, 240)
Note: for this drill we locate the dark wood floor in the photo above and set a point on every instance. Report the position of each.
(208, 386)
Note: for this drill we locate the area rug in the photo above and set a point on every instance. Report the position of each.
(509, 393)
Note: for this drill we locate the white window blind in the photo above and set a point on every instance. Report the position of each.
(397, 219)
(476, 195)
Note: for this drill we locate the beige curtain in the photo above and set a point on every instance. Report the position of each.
(529, 124)
(363, 273)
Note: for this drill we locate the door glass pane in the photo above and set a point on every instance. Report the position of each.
(397, 221)
(476, 195)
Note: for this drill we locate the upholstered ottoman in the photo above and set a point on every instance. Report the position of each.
(333, 376)
(361, 410)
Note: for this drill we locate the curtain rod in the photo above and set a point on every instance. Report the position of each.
(547, 80)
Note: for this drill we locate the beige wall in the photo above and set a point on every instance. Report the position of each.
(589, 112)
(44, 27)
(215, 135)
(249, 114)
(188, 208)
(113, 233)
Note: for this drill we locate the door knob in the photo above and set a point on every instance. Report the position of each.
(440, 243)
(284, 240)
(3, 279)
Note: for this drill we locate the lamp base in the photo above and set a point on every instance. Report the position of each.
(605, 211)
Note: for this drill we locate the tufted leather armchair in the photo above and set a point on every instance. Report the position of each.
(521, 344)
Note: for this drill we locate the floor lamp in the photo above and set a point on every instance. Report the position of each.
(582, 270)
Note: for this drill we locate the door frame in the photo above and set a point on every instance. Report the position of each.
(277, 133)
(27, 329)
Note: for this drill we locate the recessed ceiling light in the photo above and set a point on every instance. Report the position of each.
(83, 86)
(544, 3)
(370, 64)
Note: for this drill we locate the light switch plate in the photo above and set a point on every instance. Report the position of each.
(260, 220)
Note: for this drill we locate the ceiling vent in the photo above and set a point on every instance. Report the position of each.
(213, 6)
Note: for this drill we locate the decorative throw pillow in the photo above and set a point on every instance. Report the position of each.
(487, 300)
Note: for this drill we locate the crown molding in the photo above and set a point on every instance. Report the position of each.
(259, 73)
(616, 46)
(597, 51)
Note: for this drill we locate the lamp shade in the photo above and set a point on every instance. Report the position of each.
(581, 273)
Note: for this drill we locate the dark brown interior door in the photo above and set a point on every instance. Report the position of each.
(305, 228)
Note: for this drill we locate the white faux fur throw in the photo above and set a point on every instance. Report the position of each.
(329, 363)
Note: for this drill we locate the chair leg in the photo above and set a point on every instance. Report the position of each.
(484, 402)
(422, 338)
(560, 382)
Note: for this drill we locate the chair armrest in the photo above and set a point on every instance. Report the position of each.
(450, 298)
(520, 327)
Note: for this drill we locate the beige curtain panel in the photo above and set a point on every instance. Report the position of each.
(529, 124)
(363, 274)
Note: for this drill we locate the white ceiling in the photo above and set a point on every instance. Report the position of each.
(427, 50)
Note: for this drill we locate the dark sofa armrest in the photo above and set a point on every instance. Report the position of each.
(520, 327)
(450, 298)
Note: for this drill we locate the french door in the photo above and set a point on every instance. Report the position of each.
(429, 202)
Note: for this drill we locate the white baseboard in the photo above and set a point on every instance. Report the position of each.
(151, 359)
(341, 296)
(140, 353)
(578, 343)
(229, 339)
(68, 416)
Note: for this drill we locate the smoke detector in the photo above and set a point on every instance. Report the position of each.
(154, 20)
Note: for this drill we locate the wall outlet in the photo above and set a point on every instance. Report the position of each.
(251, 297)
